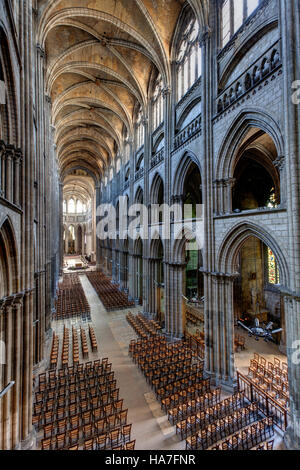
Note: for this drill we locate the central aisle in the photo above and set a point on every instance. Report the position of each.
(150, 426)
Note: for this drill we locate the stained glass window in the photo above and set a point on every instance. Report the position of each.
(273, 272)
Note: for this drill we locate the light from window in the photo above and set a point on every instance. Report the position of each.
(193, 65)
(71, 206)
(238, 11)
(188, 59)
(199, 64)
(273, 272)
(226, 22)
(158, 103)
(79, 207)
(251, 6)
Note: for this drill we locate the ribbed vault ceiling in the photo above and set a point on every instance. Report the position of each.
(100, 55)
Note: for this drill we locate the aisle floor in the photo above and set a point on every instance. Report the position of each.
(150, 426)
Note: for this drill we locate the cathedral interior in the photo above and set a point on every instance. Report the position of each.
(189, 341)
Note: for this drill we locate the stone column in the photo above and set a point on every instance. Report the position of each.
(98, 247)
(9, 174)
(173, 299)
(7, 400)
(290, 33)
(17, 365)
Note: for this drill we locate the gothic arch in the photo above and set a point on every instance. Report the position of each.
(8, 259)
(180, 174)
(155, 187)
(244, 121)
(154, 246)
(236, 237)
(9, 116)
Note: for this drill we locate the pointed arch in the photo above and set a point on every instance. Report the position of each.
(244, 121)
(9, 283)
(186, 161)
(236, 237)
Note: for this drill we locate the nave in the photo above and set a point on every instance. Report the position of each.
(158, 420)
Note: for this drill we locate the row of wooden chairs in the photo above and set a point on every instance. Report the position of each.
(65, 347)
(217, 429)
(142, 326)
(95, 444)
(84, 344)
(106, 441)
(81, 401)
(250, 437)
(245, 439)
(75, 346)
(71, 299)
(277, 363)
(208, 414)
(93, 339)
(108, 293)
(192, 392)
(70, 371)
(54, 352)
(87, 426)
(192, 318)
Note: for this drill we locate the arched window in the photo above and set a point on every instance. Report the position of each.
(273, 269)
(234, 13)
(72, 232)
(158, 104)
(71, 206)
(79, 207)
(111, 174)
(140, 132)
(65, 207)
(118, 165)
(189, 59)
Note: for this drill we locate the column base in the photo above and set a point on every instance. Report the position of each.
(227, 384)
(29, 443)
(291, 441)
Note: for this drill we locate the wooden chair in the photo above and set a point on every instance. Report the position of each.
(130, 445)
(88, 445)
(126, 433)
(60, 441)
(114, 437)
(191, 443)
(87, 431)
(74, 436)
(75, 447)
(101, 442)
(46, 444)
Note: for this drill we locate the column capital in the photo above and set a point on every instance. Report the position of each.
(41, 51)
(166, 91)
(279, 162)
(218, 276)
(205, 36)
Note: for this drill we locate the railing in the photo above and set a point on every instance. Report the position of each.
(139, 174)
(263, 68)
(267, 405)
(158, 158)
(10, 173)
(195, 345)
(188, 132)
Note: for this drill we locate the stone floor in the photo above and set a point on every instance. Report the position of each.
(151, 429)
